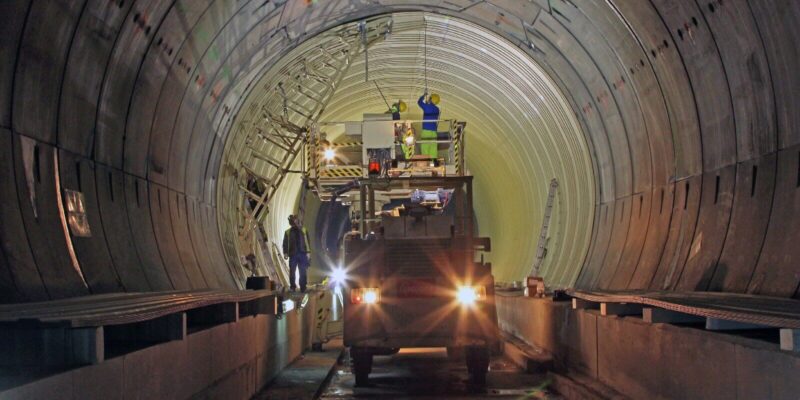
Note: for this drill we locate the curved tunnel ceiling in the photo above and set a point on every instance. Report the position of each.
(521, 132)
(688, 110)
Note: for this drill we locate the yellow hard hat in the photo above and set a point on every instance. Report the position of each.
(435, 98)
(401, 105)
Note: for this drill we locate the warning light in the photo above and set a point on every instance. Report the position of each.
(374, 167)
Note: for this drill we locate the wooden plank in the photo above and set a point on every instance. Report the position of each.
(790, 340)
(661, 316)
(620, 309)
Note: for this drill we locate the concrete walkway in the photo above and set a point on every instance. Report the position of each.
(306, 376)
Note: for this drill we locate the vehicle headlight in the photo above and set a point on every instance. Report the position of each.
(365, 296)
(338, 276)
(469, 295)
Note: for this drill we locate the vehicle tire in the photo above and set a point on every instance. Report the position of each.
(362, 365)
(477, 363)
(455, 353)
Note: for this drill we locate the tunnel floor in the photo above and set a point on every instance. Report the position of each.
(429, 374)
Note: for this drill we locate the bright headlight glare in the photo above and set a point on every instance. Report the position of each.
(329, 154)
(409, 140)
(469, 295)
(338, 276)
(365, 296)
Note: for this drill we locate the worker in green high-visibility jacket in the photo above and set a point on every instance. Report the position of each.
(430, 115)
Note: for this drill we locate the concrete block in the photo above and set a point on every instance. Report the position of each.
(577, 349)
(102, 381)
(138, 367)
(263, 333)
(790, 340)
(233, 386)
(766, 374)
(198, 374)
(58, 386)
(153, 372)
(88, 346)
(242, 341)
(221, 361)
(171, 359)
(645, 361)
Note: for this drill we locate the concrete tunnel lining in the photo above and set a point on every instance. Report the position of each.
(670, 97)
(521, 133)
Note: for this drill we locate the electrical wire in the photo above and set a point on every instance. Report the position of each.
(381, 92)
(425, 49)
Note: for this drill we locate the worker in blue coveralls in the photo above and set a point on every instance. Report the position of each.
(297, 248)
(430, 116)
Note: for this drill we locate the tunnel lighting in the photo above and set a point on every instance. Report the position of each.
(338, 276)
(468, 295)
(329, 154)
(409, 140)
(288, 305)
(365, 296)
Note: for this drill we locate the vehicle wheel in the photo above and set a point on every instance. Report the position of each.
(362, 365)
(477, 363)
(455, 353)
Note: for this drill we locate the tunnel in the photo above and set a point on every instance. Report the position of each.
(657, 141)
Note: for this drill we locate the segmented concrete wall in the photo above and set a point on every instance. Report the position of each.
(651, 361)
(228, 361)
(690, 109)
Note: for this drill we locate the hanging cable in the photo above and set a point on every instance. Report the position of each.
(381, 92)
(362, 29)
(425, 49)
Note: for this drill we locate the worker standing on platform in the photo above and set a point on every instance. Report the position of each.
(297, 248)
(400, 132)
(430, 116)
(397, 108)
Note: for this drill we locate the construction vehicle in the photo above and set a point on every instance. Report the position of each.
(413, 276)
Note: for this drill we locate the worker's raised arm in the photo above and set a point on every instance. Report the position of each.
(421, 102)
